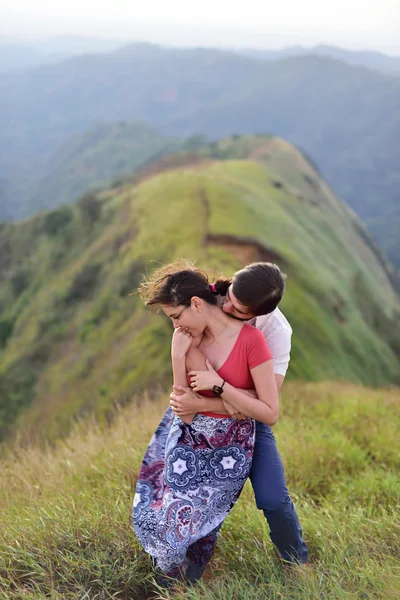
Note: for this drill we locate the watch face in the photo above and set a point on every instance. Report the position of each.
(217, 390)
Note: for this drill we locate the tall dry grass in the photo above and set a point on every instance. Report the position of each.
(65, 510)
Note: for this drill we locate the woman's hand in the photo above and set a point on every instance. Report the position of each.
(204, 380)
(181, 341)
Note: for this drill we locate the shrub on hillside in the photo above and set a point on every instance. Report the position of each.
(100, 311)
(20, 280)
(119, 181)
(224, 152)
(51, 326)
(6, 329)
(194, 142)
(58, 219)
(84, 283)
(17, 387)
(131, 278)
(5, 253)
(213, 148)
(90, 208)
(375, 315)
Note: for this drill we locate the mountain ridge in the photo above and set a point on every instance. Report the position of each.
(371, 59)
(317, 103)
(73, 340)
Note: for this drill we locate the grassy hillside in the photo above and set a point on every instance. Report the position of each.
(346, 117)
(66, 525)
(74, 342)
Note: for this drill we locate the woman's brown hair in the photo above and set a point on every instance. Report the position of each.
(175, 284)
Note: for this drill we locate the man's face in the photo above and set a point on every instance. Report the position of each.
(233, 307)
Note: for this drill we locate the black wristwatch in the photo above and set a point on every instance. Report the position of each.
(218, 389)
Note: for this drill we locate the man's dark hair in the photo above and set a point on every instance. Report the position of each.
(259, 286)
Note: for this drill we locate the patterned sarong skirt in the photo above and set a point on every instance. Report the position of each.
(190, 478)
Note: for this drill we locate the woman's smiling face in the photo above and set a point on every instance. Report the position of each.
(190, 317)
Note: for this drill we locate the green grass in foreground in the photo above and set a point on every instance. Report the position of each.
(66, 526)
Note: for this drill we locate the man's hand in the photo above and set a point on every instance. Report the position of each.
(233, 412)
(184, 401)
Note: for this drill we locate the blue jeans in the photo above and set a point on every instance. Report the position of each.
(272, 497)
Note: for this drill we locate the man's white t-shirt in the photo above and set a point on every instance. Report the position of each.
(278, 334)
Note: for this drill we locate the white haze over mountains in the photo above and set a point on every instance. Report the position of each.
(359, 24)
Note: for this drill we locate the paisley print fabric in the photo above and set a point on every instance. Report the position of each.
(191, 476)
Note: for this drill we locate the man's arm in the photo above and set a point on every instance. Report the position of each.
(278, 340)
(279, 381)
(184, 400)
(265, 407)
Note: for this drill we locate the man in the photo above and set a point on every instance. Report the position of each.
(253, 296)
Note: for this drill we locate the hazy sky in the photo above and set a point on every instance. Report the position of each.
(371, 24)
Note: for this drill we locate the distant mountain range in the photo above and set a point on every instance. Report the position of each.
(24, 54)
(364, 58)
(72, 340)
(347, 118)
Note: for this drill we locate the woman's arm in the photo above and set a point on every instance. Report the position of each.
(196, 361)
(180, 379)
(264, 408)
(188, 401)
(179, 348)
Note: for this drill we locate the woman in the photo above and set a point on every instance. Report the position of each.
(193, 472)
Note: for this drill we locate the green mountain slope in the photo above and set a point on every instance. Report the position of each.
(346, 117)
(74, 341)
